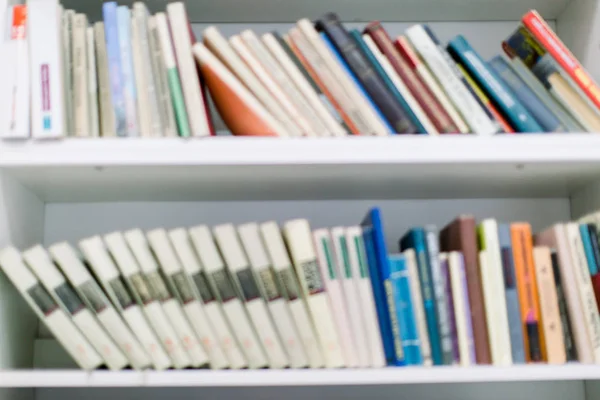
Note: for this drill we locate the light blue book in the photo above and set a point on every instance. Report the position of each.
(589, 250)
(109, 13)
(345, 67)
(127, 71)
(400, 283)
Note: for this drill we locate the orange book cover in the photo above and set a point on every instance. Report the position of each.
(522, 244)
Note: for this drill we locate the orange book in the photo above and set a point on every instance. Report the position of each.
(240, 110)
(522, 244)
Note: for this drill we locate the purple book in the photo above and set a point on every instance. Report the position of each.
(467, 303)
(445, 269)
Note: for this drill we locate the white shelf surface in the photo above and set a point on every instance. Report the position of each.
(230, 168)
(247, 378)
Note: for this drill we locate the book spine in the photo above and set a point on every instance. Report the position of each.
(113, 50)
(92, 84)
(548, 39)
(444, 69)
(67, 69)
(372, 83)
(139, 64)
(80, 78)
(565, 321)
(127, 72)
(106, 112)
(518, 115)
(445, 268)
(462, 308)
(434, 111)
(588, 249)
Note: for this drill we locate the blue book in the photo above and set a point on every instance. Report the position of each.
(589, 250)
(415, 239)
(386, 79)
(127, 71)
(378, 269)
(346, 69)
(404, 319)
(519, 117)
(513, 307)
(113, 50)
(526, 96)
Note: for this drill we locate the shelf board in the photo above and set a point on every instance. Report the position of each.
(253, 378)
(210, 11)
(229, 168)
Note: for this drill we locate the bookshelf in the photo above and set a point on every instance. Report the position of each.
(65, 190)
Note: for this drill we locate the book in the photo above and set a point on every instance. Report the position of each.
(197, 277)
(362, 280)
(106, 273)
(250, 238)
(513, 308)
(176, 280)
(106, 112)
(416, 239)
(139, 64)
(569, 343)
(462, 306)
(92, 83)
(460, 235)
(130, 95)
(595, 244)
(299, 241)
(198, 118)
(93, 296)
(231, 302)
(290, 290)
(47, 309)
(80, 78)
(590, 256)
(550, 315)
(67, 68)
(39, 261)
(332, 280)
(418, 308)
(443, 68)
(147, 298)
(246, 285)
(445, 270)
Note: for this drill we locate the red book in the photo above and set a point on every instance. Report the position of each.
(596, 286)
(436, 113)
(553, 45)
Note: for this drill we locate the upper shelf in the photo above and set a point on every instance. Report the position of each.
(228, 168)
(212, 11)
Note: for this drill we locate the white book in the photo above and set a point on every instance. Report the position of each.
(80, 77)
(299, 240)
(105, 107)
(194, 100)
(146, 296)
(290, 289)
(92, 84)
(584, 285)
(15, 115)
(45, 52)
(448, 77)
(108, 276)
(140, 18)
(127, 72)
(139, 65)
(204, 293)
(417, 302)
(243, 278)
(221, 48)
(47, 309)
(328, 122)
(495, 298)
(351, 296)
(220, 282)
(400, 86)
(138, 244)
(251, 49)
(333, 286)
(362, 280)
(375, 125)
(67, 68)
(42, 266)
(176, 277)
(165, 104)
(267, 285)
(91, 293)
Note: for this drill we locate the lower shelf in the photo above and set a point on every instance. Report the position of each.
(324, 377)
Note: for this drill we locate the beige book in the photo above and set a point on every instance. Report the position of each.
(80, 76)
(569, 98)
(331, 125)
(355, 104)
(221, 48)
(255, 65)
(284, 83)
(143, 102)
(553, 350)
(67, 67)
(105, 108)
(92, 76)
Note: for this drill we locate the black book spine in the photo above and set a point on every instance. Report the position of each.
(366, 74)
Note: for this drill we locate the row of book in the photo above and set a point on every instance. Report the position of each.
(140, 75)
(256, 296)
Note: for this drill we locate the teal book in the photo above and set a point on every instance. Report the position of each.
(588, 249)
(502, 97)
